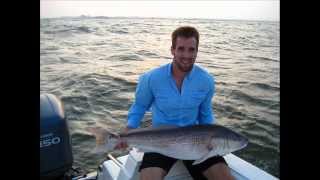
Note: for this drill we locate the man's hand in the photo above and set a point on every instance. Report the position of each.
(122, 143)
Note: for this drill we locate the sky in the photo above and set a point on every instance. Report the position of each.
(268, 10)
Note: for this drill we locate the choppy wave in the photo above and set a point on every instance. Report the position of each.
(263, 58)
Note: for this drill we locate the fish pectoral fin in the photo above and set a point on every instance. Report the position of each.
(198, 161)
(205, 157)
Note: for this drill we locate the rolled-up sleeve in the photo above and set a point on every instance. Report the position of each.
(206, 115)
(143, 101)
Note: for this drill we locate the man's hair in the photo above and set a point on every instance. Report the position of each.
(186, 32)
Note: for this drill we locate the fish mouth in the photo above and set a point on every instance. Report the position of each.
(239, 140)
(243, 142)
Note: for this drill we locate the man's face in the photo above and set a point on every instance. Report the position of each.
(185, 53)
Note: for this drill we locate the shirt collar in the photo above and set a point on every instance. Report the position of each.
(188, 76)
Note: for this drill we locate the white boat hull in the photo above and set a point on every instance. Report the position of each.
(126, 168)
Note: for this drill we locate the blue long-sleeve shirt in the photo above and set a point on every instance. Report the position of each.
(157, 89)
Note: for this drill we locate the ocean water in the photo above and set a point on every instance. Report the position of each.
(92, 64)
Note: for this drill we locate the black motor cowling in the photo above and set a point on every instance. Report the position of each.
(55, 144)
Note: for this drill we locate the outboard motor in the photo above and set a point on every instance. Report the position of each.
(55, 145)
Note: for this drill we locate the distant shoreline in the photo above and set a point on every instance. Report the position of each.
(139, 17)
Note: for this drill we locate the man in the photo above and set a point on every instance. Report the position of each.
(180, 94)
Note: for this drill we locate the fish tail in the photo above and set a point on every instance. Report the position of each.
(101, 138)
(99, 149)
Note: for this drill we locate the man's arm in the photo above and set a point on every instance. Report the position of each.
(206, 115)
(143, 101)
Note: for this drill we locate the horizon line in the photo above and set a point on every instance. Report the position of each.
(140, 17)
